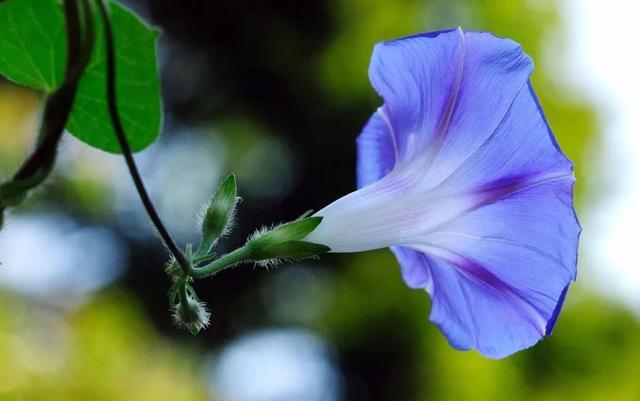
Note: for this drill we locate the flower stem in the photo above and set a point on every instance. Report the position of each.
(126, 149)
(183, 296)
(232, 258)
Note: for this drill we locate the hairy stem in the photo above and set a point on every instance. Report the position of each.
(242, 254)
(183, 296)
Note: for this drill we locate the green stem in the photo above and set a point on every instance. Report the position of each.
(183, 296)
(242, 254)
(201, 259)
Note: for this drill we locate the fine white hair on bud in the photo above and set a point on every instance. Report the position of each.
(269, 263)
(191, 315)
(217, 217)
(230, 218)
(271, 246)
(264, 263)
(260, 232)
(172, 268)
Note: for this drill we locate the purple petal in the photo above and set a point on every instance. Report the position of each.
(554, 317)
(522, 248)
(479, 314)
(418, 77)
(498, 270)
(376, 150)
(461, 176)
(519, 149)
(495, 71)
(414, 267)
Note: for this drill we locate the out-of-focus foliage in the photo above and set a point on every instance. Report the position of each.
(104, 351)
(18, 123)
(33, 53)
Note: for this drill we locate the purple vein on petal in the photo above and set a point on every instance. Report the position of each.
(484, 144)
(506, 187)
(476, 272)
(442, 127)
(503, 188)
(392, 134)
(505, 241)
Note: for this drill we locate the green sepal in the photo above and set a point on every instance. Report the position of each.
(289, 250)
(305, 214)
(293, 231)
(218, 217)
(285, 241)
(173, 269)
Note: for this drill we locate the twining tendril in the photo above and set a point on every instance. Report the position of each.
(124, 144)
(80, 35)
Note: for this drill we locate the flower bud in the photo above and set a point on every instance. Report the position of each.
(191, 314)
(217, 218)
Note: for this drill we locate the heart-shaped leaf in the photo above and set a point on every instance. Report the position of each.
(33, 53)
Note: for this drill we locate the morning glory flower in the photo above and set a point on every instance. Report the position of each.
(460, 175)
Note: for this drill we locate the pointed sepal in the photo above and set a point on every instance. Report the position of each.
(285, 242)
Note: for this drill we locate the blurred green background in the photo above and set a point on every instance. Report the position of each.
(275, 91)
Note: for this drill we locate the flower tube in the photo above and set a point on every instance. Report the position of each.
(460, 175)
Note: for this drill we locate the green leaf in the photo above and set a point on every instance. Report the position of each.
(33, 53)
(32, 43)
(137, 87)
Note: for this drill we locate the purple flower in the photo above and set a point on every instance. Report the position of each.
(459, 173)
